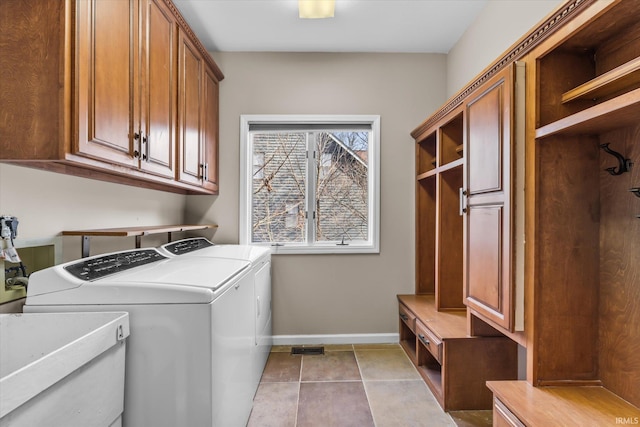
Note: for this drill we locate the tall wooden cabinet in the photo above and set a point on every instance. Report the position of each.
(550, 198)
(587, 231)
(97, 94)
(434, 331)
(488, 198)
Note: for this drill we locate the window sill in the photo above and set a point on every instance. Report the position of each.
(291, 249)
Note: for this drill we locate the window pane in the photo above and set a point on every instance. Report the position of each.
(342, 210)
(258, 165)
(278, 200)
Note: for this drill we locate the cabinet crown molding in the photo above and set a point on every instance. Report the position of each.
(532, 39)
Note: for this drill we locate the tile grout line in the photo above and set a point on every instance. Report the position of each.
(295, 424)
(364, 386)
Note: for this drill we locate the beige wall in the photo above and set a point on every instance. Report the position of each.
(499, 25)
(47, 203)
(329, 294)
(313, 294)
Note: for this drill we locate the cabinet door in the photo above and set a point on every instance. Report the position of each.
(106, 52)
(210, 134)
(158, 89)
(190, 167)
(488, 283)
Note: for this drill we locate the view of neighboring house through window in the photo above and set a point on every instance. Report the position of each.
(313, 183)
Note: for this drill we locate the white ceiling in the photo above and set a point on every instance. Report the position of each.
(358, 26)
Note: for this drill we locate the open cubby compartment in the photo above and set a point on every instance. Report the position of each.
(587, 262)
(426, 154)
(426, 235)
(449, 288)
(431, 370)
(451, 140)
(599, 62)
(408, 341)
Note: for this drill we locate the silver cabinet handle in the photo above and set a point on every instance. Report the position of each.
(463, 201)
(423, 339)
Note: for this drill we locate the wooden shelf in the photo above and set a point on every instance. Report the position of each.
(444, 168)
(451, 165)
(428, 174)
(565, 405)
(136, 232)
(618, 112)
(613, 81)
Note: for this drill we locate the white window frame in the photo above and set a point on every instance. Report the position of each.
(372, 244)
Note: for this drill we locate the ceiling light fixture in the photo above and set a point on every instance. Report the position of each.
(314, 9)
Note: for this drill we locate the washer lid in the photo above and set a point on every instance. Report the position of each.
(169, 281)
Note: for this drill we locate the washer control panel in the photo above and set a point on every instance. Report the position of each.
(101, 266)
(187, 245)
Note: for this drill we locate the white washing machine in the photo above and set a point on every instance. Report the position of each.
(260, 259)
(191, 339)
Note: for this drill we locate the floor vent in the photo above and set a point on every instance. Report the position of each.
(307, 350)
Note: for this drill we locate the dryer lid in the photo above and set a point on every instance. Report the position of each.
(201, 247)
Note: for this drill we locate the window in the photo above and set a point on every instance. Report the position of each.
(310, 184)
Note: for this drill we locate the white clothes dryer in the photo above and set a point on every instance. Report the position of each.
(260, 259)
(191, 337)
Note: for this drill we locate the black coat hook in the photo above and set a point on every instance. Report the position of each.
(623, 164)
(635, 191)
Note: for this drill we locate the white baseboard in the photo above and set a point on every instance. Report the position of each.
(336, 339)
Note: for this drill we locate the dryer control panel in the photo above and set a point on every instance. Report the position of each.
(101, 266)
(188, 245)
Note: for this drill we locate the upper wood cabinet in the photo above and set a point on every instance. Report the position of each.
(106, 63)
(211, 129)
(198, 117)
(158, 107)
(98, 93)
(127, 83)
(488, 199)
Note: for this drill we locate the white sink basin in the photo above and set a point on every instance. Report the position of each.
(62, 368)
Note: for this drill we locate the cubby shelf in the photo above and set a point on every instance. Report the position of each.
(444, 168)
(624, 76)
(617, 112)
(451, 165)
(428, 174)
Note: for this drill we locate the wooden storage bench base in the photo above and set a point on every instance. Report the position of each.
(519, 403)
(454, 365)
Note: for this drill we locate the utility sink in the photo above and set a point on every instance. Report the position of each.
(62, 369)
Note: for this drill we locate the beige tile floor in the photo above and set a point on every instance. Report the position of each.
(350, 385)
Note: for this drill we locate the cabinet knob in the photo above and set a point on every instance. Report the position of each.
(404, 317)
